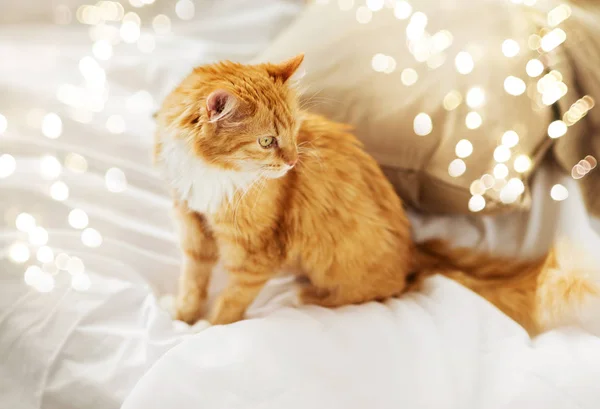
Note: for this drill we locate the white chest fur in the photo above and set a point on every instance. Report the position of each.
(205, 188)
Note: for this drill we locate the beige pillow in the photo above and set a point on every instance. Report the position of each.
(581, 69)
(389, 111)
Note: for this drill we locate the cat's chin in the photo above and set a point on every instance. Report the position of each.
(276, 174)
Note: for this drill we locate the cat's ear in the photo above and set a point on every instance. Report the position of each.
(287, 68)
(219, 105)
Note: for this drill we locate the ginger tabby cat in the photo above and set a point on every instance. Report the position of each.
(265, 187)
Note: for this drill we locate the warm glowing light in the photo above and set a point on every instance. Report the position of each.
(553, 92)
(464, 148)
(115, 180)
(44, 283)
(185, 9)
(74, 266)
(441, 41)
(19, 253)
(59, 191)
(510, 48)
(50, 167)
(78, 219)
(75, 163)
(452, 100)
(61, 261)
(3, 124)
(500, 171)
(162, 24)
(45, 254)
(379, 62)
(477, 188)
(578, 110)
(32, 275)
(375, 5)
(25, 222)
(91, 237)
(499, 184)
(464, 62)
(7, 165)
(511, 191)
(111, 10)
(345, 4)
(534, 42)
(115, 124)
(559, 192)
(422, 124)
(553, 39)
(473, 120)
(488, 181)
(402, 10)
(80, 282)
(475, 97)
(93, 73)
(522, 163)
(38, 236)
(409, 77)
(557, 129)
(476, 203)
(534, 68)
(146, 43)
(52, 125)
(391, 65)
(456, 168)
(510, 139)
(558, 14)
(102, 50)
(130, 32)
(501, 154)
(363, 15)
(584, 167)
(592, 161)
(514, 86)
(548, 81)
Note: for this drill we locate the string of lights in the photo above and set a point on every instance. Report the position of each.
(111, 23)
(549, 88)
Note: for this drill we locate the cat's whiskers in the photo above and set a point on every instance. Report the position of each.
(305, 105)
(303, 152)
(259, 194)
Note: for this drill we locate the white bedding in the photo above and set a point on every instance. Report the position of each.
(88, 349)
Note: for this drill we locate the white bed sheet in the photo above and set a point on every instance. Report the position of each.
(69, 349)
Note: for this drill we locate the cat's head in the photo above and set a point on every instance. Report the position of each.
(237, 117)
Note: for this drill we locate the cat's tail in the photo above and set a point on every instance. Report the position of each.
(539, 294)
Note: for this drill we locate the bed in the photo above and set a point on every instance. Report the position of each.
(99, 334)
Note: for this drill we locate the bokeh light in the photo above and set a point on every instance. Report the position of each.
(559, 192)
(476, 203)
(464, 148)
(457, 168)
(510, 139)
(422, 124)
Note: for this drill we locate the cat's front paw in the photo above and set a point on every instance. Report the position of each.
(189, 309)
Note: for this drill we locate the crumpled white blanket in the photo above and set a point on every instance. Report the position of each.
(443, 348)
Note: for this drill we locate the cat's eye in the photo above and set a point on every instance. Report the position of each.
(266, 141)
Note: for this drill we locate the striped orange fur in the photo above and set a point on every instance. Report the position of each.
(264, 186)
(332, 216)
